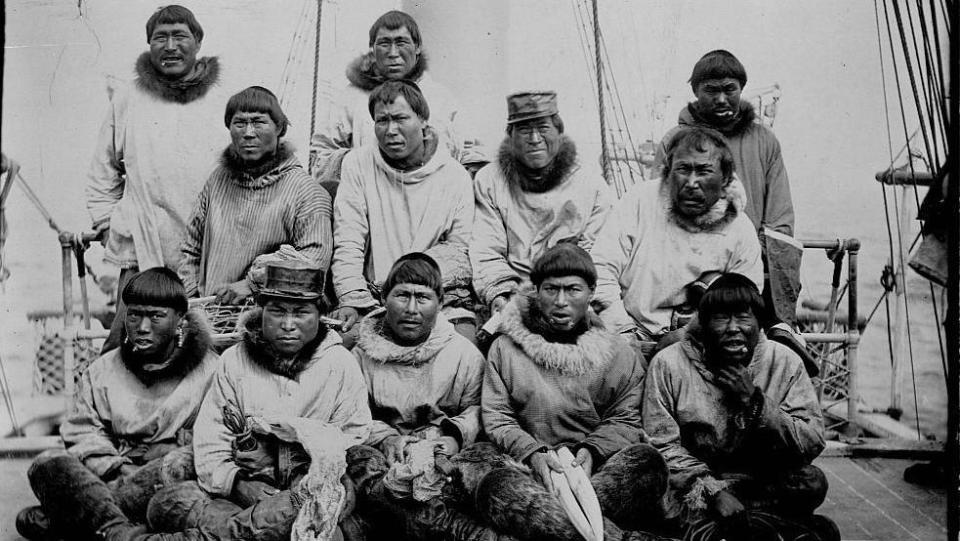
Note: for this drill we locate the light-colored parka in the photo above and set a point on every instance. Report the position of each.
(436, 383)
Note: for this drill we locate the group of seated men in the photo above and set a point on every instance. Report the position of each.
(398, 425)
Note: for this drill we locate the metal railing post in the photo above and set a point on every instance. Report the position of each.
(853, 332)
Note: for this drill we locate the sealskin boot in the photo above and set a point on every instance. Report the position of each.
(34, 524)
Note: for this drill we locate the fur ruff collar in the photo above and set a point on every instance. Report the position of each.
(724, 211)
(196, 343)
(195, 86)
(520, 176)
(263, 354)
(261, 174)
(592, 351)
(744, 119)
(382, 350)
(362, 71)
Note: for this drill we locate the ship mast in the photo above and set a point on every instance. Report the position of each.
(953, 280)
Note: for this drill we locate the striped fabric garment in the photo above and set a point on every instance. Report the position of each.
(238, 218)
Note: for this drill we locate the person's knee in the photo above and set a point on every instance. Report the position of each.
(177, 507)
(813, 484)
(48, 459)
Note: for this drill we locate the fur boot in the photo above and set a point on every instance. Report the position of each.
(631, 485)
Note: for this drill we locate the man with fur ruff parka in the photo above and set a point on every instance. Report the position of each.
(396, 53)
(533, 196)
(557, 378)
(157, 143)
(666, 235)
(129, 432)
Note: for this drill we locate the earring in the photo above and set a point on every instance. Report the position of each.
(180, 337)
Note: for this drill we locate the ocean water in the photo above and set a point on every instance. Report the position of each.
(59, 56)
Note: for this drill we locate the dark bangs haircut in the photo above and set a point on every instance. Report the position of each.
(718, 64)
(256, 99)
(731, 293)
(395, 20)
(564, 259)
(389, 91)
(174, 14)
(158, 286)
(414, 268)
(700, 139)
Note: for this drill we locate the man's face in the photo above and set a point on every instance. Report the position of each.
(696, 180)
(173, 50)
(719, 100)
(395, 52)
(290, 325)
(411, 313)
(535, 142)
(730, 336)
(563, 301)
(398, 129)
(254, 135)
(150, 329)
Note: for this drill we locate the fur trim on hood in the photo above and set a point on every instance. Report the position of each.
(593, 349)
(520, 176)
(195, 86)
(690, 116)
(362, 71)
(730, 204)
(265, 172)
(382, 350)
(262, 352)
(196, 343)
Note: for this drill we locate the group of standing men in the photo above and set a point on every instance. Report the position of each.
(414, 431)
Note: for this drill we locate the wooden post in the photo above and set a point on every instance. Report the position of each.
(66, 257)
(901, 340)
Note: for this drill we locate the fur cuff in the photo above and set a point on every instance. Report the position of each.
(702, 492)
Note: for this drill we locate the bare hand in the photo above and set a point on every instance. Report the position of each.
(448, 445)
(498, 303)
(127, 470)
(258, 460)
(247, 492)
(348, 315)
(235, 293)
(103, 233)
(394, 446)
(585, 460)
(736, 380)
(726, 504)
(542, 463)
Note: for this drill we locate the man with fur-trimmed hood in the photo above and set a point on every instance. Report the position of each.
(158, 142)
(396, 53)
(717, 81)
(668, 234)
(289, 370)
(134, 412)
(532, 197)
(259, 201)
(557, 378)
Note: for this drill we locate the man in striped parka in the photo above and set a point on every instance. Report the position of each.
(258, 201)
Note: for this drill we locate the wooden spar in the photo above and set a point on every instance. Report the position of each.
(604, 156)
(953, 280)
(901, 338)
